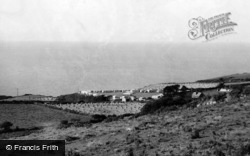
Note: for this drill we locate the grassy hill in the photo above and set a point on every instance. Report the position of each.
(4, 97)
(218, 130)
(28, 115)
(229, 78)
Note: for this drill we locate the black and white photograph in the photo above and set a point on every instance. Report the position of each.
(124, 78)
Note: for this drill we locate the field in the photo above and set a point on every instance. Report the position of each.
(29, 115)
(103, 108)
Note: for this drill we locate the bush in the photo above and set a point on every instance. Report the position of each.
(235, 93)
(78, 123)
(153, 106)
(165, 103)
(111, 118)
(6, 125)
(195, 134)
(73, 153)
(75, 120)
(81, 124)
(243, 150)
(17, 128)
(76, 98)
(170, 90)
(71, 138)
(4, 97)
(97, 118)
(220, 96)
(63, 124)
(246, 90)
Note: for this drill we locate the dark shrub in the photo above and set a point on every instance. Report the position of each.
(97, 118)
(218, 152)
(235, 93)
(111, 118)
(125, 115)
(77, 98)
(166, 103)
(71, 138)
(195, 134)
(187, 129)
(246, 90)
(6, 125)
(243, 150)
(220, 97)
(75, 120)
(81, 124)
(78, 123)
(63, 124)
(73, 153)
(129, 152)
(4, 97)
(171, 90)
(153, 106)
(17, 128)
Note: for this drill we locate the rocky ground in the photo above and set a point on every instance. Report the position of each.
(221, 129)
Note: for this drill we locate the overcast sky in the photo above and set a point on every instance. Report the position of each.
(56, 47)
(114, 20)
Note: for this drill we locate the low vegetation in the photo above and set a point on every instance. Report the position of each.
(175, 98)
(80, 98)
(30, 115)
(171, 100)
(77, 122)
(229, 78)
(2, 97)
(218, 130)
(8, 130)
(6, 126)
(246, 90)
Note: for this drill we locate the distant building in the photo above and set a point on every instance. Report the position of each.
(132, 98)
(123, 99)
(196, 95)
(127, 98)
(228, 97)
(127, 93)
(158, 90)
(211, 102)
(141, 98)
(225, 90)
(114, 97)
(85, 92)
(157, 96)
(183, 89)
